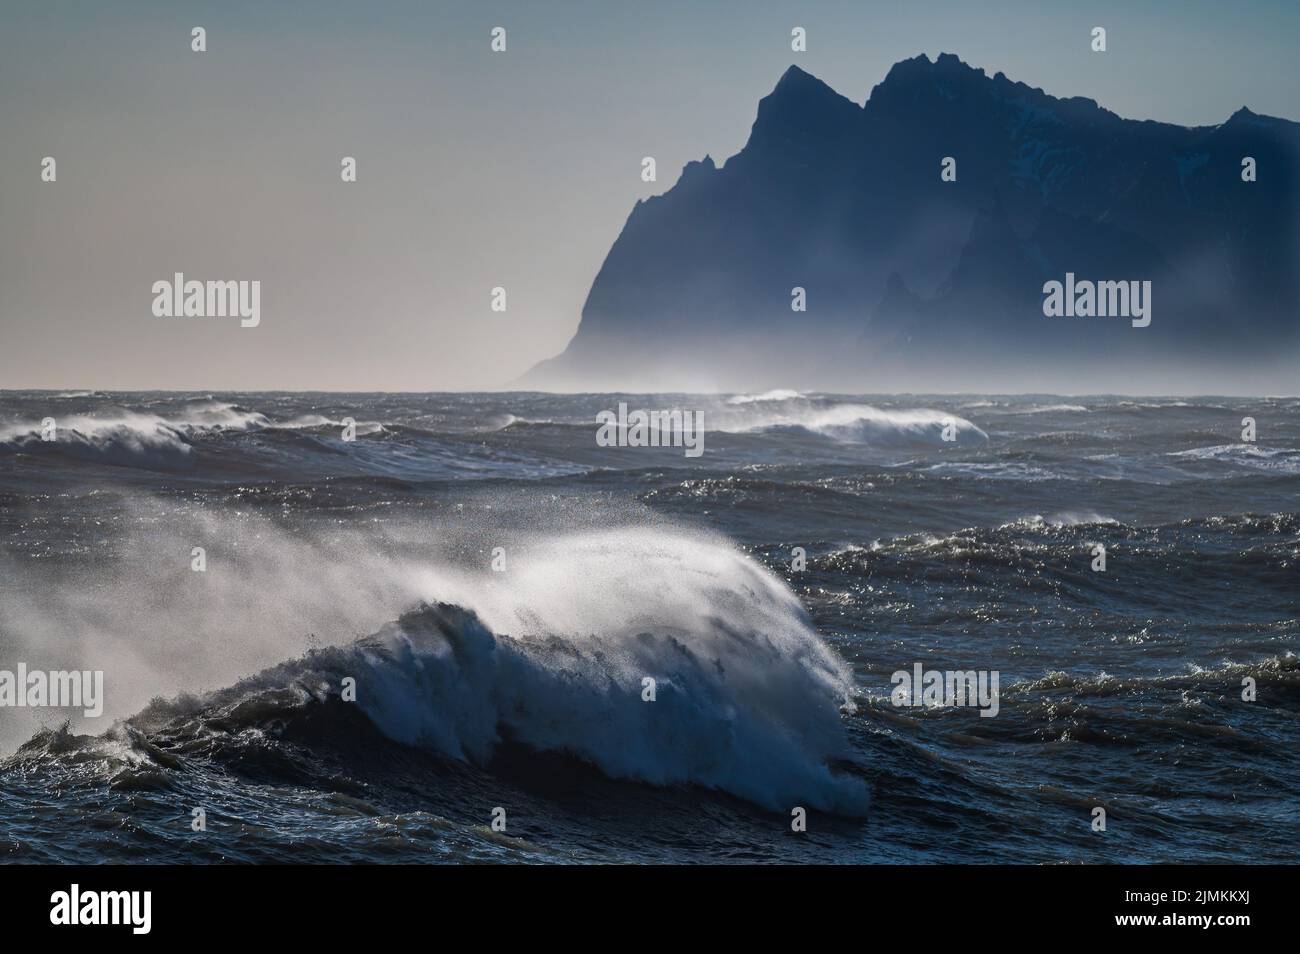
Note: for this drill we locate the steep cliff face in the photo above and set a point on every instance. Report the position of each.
(906, 274)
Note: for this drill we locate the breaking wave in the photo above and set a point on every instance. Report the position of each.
(850, 423)
(134, 439)
(555, 655)
(131, 440)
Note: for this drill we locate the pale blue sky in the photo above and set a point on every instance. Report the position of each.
(476, 169)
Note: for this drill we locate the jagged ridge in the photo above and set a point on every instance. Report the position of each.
(837, 198)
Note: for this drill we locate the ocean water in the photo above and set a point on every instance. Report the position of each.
(499, 586)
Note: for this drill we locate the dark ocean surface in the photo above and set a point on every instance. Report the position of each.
(520, 687)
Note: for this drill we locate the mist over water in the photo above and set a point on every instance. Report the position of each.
(523, 686)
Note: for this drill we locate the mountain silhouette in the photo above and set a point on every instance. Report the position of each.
(913, 282)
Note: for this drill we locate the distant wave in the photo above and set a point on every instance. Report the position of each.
(994, 470)
(851, 423)
(131, 439)
(1000, 546)
(1251, 456)
(1064, 519)
(786, 410)
(205, 415)
(1162, 405)
(1055, 409)
(1280, 671)
(313, 421)
(1070, 527)
(506, 422)
(780, 394)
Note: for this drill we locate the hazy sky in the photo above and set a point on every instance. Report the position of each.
(476, 169)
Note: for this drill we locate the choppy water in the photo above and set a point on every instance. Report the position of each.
(522, 689)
